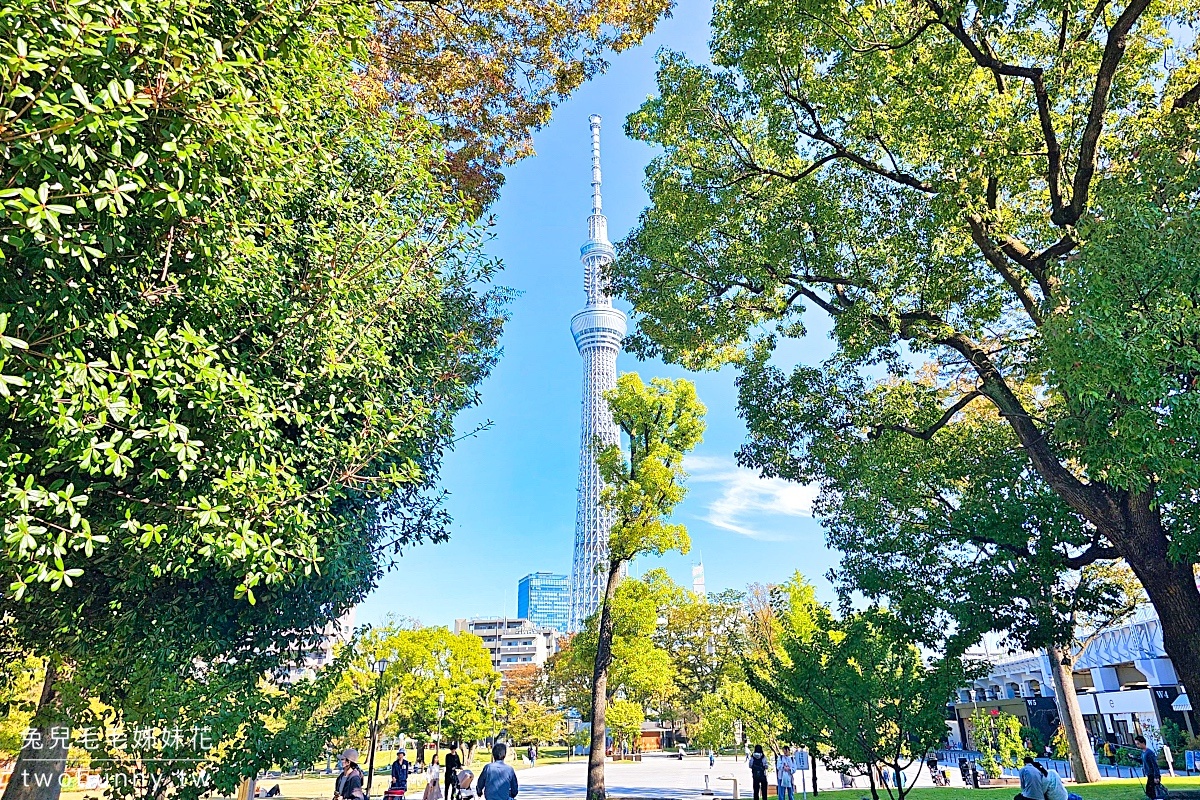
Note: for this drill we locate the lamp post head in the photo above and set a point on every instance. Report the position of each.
(381, 665)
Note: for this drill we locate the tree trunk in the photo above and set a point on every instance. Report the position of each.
(38, 772)
(1170, 585)
(595, 773)
(1083, 759)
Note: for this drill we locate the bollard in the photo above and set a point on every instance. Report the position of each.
(707, 789)
(730, 778)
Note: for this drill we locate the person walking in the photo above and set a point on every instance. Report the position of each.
(497, 781)
(1154, 787)
(401, 769)
(531, 754)
(712, 758)
(1110, 753)
(452, 764)
(885, 775)
(433, 791)
(349, 784)
(785, 769)
(1033, 783)
(758, 772)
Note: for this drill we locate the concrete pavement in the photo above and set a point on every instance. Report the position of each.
(661, 777)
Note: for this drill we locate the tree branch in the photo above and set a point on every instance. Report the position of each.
(999, 261)
(1114, 50)
(1096, 552)
(928, 433)
(987, 60)
(819, 134)
(1187, 98)
(1090, 501)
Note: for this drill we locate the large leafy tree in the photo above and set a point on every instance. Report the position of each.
(533, 723)
(852, 685)
(736, 710)
(659, 423)
(1005, 191)
(428, 669)
(241, 310)
(919, 529)
(624, 720)
(698, 634)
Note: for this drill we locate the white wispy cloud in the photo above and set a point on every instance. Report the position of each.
(747, 501)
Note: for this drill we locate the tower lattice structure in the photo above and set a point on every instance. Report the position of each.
(598, 329)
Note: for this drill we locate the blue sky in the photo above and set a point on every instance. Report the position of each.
(513, 486)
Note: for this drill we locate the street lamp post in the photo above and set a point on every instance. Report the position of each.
(380, 667)
(441, 712)
(495, 702)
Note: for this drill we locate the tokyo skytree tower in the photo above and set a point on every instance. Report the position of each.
(598, 330)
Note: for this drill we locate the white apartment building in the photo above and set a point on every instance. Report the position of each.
(512, 642)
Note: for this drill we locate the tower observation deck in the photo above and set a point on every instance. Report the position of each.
(598, 329)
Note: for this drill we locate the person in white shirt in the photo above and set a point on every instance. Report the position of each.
(1054, 786)
(785, 769)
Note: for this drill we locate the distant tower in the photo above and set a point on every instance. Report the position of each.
(598, 330)
(698, 580)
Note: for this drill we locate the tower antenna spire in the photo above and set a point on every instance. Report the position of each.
(597, 206)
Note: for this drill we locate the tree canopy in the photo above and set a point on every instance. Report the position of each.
(641, 668)
(428, 669)
(852, 685)
(988, 203)
(490, 74)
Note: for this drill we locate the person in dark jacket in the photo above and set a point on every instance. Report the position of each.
(401, 768)
(349, 784)
(1149, 768)
(758, 772)
(453, 765)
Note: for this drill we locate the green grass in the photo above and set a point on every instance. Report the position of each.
(1114, 789)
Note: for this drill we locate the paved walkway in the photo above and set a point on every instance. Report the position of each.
(661, 777)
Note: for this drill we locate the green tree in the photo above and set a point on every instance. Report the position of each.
(580, 737)
(428, 669)
(641, 669)
(624, 719)
(660, 422)
(699, 635)
(534, 724)
(737, 709)
(1060, 746)
(1001, 190)
(997, 736)
(964, 510)
(852, 685)
(241, 314)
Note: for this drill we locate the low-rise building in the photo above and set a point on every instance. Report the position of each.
(1124, 680)
(512, 642)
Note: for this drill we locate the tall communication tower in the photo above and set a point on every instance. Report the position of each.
(598, 330)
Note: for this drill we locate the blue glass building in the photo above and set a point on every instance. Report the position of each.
(544, 599)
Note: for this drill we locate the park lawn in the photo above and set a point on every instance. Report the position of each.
(1111, 789)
